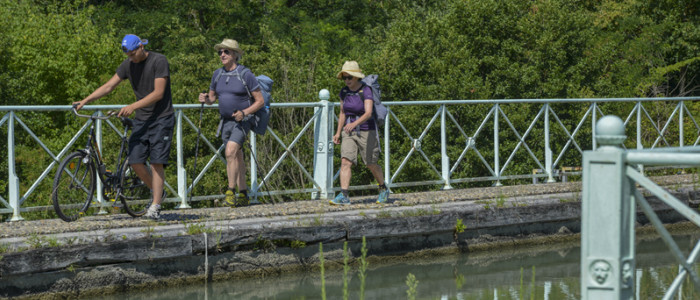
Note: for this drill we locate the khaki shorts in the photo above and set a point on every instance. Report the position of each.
(364, 142)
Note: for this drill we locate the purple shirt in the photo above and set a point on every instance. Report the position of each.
(231, 91)
(354, 106)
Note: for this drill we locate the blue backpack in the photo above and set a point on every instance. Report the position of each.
(262, 116)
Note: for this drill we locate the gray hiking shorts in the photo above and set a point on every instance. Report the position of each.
(234, 131)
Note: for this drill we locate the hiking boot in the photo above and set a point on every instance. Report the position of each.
(153, 212)
(242, 200)
(230, 198)
(383, 196)
(340, 200)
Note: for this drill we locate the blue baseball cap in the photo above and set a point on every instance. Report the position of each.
(131, 42)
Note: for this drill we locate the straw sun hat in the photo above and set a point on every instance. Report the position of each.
(229, 44)
(351, 67)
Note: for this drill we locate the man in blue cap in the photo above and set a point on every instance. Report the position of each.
(149, 75)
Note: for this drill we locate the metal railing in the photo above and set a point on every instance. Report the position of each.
(451, 143)
(610, 176)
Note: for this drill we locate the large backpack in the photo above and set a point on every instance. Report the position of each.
(379, 111)
(262, 116)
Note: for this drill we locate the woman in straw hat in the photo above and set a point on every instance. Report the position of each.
(234, 85)
(357, 131)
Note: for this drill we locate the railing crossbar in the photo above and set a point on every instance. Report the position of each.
(668, 240)
(55, 159)
(521, 139)
(665, 196)
(661, 133)
(571, 136)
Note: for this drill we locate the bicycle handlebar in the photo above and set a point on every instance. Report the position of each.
(95, 117)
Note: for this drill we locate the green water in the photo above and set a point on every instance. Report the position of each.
(547, 272)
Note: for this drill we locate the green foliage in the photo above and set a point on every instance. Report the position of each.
(412, 284)
(56, 52)
(459, 226)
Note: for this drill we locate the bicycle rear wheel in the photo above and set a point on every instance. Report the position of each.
(73, 186)
(135, 194)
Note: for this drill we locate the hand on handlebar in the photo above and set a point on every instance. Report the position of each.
(77, 105)
(126, 111)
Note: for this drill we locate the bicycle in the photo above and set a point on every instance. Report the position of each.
(75, 180)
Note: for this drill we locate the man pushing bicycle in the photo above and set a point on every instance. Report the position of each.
(149, 75)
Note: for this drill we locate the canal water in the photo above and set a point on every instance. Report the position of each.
(542, 272)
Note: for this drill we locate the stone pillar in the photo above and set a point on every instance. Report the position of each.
(608, 217)
(323, 154)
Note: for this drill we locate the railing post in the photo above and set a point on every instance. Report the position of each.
(639, 132)
(99, 185)
(323, 141)
(254, 164)
(608, 217)
(387, 154)
(547, 147)
(181, 170)
(13, 180)
(443, 149)
(496, 160)
(680, 124)
(594, 120)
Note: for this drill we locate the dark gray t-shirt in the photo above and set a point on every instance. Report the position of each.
(232, 94)
(142, 76)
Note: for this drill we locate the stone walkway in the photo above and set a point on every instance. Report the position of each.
(487, 195)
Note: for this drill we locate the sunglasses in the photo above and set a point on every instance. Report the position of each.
(347, 77)
(224, 51)
(127, 50)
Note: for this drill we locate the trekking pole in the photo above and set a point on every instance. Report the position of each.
(196, 147)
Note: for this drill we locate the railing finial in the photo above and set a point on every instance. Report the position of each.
(610, 132)
(324, 94)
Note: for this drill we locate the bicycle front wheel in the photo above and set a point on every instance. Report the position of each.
(73, 186)
(135, 194)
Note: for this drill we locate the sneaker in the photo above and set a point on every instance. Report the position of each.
(242, 200)
(230, 198)
(340, 200)
(383, 196)
(153, 212)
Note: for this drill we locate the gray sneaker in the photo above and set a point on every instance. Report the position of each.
(153, 212)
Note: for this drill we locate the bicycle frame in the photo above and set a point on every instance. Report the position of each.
(110, 180)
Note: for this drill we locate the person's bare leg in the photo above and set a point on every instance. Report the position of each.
(377, 172)
(154, 179)
(345, 173)
(158, 174)
(241, 167)
(233, 151)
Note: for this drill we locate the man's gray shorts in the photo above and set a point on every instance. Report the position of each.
(236, 132)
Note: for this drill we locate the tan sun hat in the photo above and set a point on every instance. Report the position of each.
(351, 68)
(229, 44)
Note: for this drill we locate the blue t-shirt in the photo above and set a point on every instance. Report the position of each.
(354, 106)
(231, 91)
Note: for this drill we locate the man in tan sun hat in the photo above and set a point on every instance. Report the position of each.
(230, 45)
(357, 132)
(240, 96)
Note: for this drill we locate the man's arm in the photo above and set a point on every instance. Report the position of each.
(150, 99)
(100, 92)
